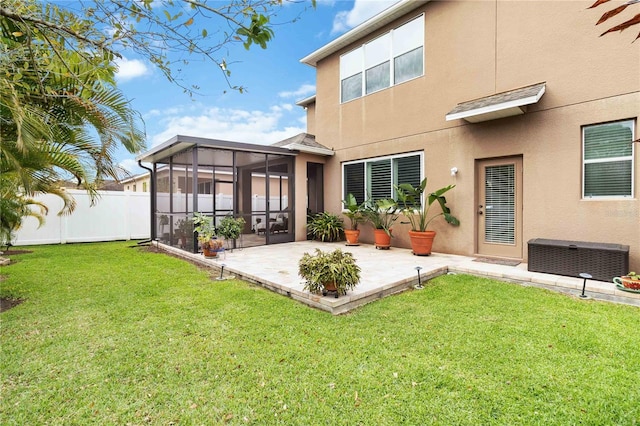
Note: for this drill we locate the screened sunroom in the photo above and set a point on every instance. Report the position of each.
(221, 178)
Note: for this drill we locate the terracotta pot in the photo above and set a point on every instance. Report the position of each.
(382, 240)
(421, 242)
(352, 236)
(330, 287)
(208, 252)
(627, 282)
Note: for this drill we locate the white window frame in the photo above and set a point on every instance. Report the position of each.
(347, 69)
(630, 157)
(366, 161)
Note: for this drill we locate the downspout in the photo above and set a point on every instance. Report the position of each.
(152, 190)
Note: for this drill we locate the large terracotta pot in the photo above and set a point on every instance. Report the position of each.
(352, 236)
(330, 288)
(207, 252)
(382, 240)
(421, 242)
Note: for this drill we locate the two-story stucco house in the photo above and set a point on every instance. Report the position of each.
(520, 104)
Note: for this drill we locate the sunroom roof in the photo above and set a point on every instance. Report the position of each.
(179, 143)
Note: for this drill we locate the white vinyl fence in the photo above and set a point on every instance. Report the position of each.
(117, 215)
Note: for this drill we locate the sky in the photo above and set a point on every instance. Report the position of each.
(274, 78)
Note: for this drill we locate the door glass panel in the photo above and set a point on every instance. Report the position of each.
(500, 198)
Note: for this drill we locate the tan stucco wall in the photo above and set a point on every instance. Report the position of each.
(301, 191)
(475, 49)
(311, 118)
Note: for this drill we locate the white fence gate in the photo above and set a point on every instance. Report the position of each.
(117, 215)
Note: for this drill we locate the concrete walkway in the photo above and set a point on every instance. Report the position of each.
(384, 272)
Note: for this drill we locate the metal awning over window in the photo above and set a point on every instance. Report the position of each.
(500, 105)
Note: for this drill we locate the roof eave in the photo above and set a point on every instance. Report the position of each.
(310, 149)
(306, 101)
(367, 27)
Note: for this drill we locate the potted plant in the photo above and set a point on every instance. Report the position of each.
(164, 221)
(334, 271)
(230, 227)
(184, 228)
(325, 227)
(416, 203)
(206, 230)
(381, 214)
(631, 281)
(354, 214)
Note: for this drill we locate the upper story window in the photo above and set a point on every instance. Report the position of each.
(375, 178)
(392, 58)
(607, 151)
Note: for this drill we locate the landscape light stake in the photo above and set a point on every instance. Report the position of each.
(584, 284)
(222, 265)
(419, 286)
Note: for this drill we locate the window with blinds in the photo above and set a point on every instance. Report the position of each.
(375, 178)
(379, 179)
(353, 177)
(500, 204)
(608, 159)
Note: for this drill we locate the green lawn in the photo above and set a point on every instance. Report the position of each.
(115, 335)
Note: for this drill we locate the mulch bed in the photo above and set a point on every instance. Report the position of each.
(6, 304)
(12, 252)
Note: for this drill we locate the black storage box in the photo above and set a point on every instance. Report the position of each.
(603, 261)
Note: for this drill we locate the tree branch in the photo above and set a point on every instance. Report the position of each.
(36, 22)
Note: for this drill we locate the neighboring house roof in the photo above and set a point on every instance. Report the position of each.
(499, 105)
(367, 27)
(135, 177)
(304, 142)
(107, 185)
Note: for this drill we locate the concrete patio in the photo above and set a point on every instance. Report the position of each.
(384, 272)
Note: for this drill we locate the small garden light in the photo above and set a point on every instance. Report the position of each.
(222, 265)
(419, 286)
(584, 284)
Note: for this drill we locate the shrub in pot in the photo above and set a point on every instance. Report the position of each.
(329, 271)
(416, 203)
(325, 227)
(354, 212)
(206, 230)
(381, 214)
(184, 230)
(230, 227)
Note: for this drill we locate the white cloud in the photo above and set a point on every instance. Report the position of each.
(131, 165)
(301, 92)
(361, 11)
(128, 69)
(258, 127)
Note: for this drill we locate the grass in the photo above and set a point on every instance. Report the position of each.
(115, 335)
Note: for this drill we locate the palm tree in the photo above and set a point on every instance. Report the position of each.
(61, 115)
(14, 208)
